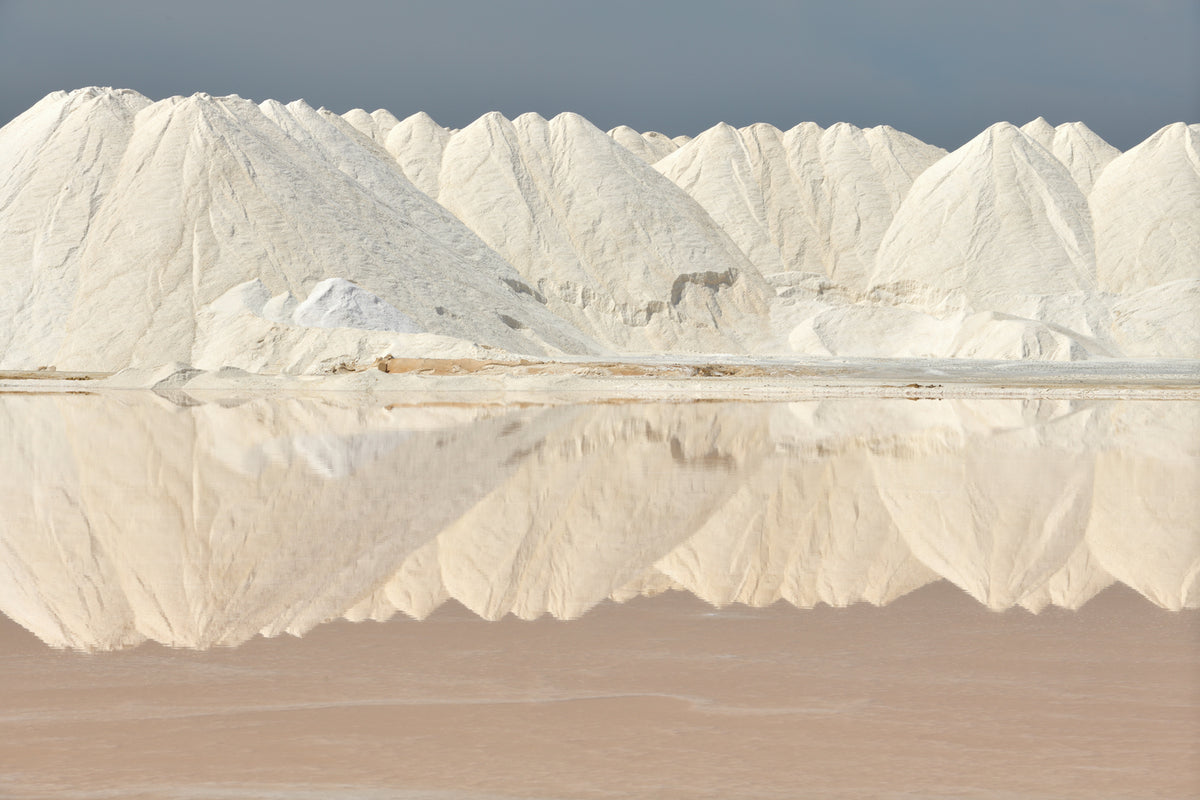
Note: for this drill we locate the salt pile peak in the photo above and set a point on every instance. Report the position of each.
(651, 146)
(376, 125)
(1077, 146)
(998, 215)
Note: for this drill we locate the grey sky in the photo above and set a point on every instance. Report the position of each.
(939, 69)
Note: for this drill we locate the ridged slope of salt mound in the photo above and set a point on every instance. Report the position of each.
(650, 147)
(58, 162)
(1000, 215)
(807, 200)
(198, 194)
(1146, 209)
(607, 242)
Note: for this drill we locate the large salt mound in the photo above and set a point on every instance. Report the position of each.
(200, 194)
(611, 245)
(1146, 207)
(807, 200)
(1000, 215)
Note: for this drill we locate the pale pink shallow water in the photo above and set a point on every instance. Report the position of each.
(662, 697)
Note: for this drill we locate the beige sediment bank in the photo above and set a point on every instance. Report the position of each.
(421, 380)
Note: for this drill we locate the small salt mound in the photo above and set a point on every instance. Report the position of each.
(280, 308)
(993, 335)
(651, 146)
(882, 331)
(247, 329)
(338, 303)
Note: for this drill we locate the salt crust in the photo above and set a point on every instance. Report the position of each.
(214, 231)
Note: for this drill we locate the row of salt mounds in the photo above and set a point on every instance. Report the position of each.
(139, 214)
(812, 207)
(1002, 225)
(112, 259)
(605, 241)
(650, 146)
(805, 200)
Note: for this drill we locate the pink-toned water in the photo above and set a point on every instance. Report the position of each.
(661, 697)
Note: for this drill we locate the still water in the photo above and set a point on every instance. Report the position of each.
(831, 598)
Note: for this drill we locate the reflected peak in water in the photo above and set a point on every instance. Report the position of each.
(129, 517)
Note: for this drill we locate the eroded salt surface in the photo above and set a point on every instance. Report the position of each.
(130, 231)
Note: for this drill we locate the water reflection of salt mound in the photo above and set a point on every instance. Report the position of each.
(129, 517)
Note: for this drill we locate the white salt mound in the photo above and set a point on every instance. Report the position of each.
(1081, 151)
